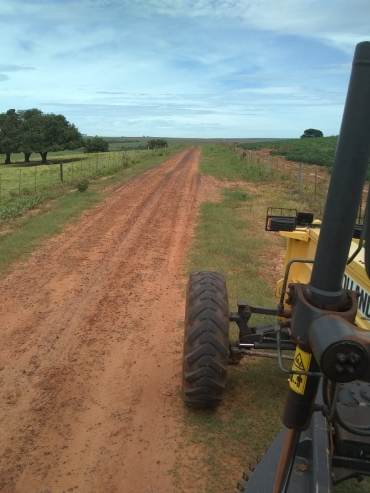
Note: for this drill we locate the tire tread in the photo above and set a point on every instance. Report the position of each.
(206, 345)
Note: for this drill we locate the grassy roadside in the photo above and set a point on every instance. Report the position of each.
(46, 214)
(230, 239)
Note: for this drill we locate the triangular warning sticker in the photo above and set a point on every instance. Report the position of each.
(298, 362)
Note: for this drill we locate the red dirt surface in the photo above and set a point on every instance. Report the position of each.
(89, 327)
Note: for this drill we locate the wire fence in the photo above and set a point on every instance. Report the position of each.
(22, 180)
(310, 182)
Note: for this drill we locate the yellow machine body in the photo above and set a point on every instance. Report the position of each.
(302, 244)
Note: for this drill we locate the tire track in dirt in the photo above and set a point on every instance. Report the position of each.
(89, 355)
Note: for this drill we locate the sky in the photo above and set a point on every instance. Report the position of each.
(182, 68)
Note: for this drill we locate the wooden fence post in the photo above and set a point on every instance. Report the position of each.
(300, 177)
(61, 171)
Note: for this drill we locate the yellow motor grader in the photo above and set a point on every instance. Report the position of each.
(322, 315)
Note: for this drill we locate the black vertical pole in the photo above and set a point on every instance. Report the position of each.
(346, 184)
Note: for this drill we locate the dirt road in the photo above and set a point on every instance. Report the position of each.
(89, 351)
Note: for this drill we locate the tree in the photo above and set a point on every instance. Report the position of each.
(96, 144)
(157, 143)
(312, 132)
(9, 133)
(31, 132)
(34, 131)
(57, 134)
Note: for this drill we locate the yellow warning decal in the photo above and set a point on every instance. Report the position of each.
(301, 362)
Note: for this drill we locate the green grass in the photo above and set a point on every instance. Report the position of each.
(230, 239)
(239, 167)
(223, 245)
(220, 162)
(31, 232)
(22, 204)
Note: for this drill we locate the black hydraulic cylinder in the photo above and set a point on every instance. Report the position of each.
(346, 184)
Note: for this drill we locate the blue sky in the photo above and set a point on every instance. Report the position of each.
(182, 68)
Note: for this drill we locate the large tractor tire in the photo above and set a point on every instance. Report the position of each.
(206, 344)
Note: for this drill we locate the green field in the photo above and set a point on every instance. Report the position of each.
(123, 144)
(311, 151)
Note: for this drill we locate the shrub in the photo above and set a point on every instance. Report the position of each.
(83, 185)
(96, 144)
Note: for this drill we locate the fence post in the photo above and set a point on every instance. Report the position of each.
(300, 177)
(315, 183)
(61, 171)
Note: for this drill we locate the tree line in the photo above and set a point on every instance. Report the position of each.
(157, 143)
(32, 130)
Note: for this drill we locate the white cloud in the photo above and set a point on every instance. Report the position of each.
(311, 18)
(183, 65)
